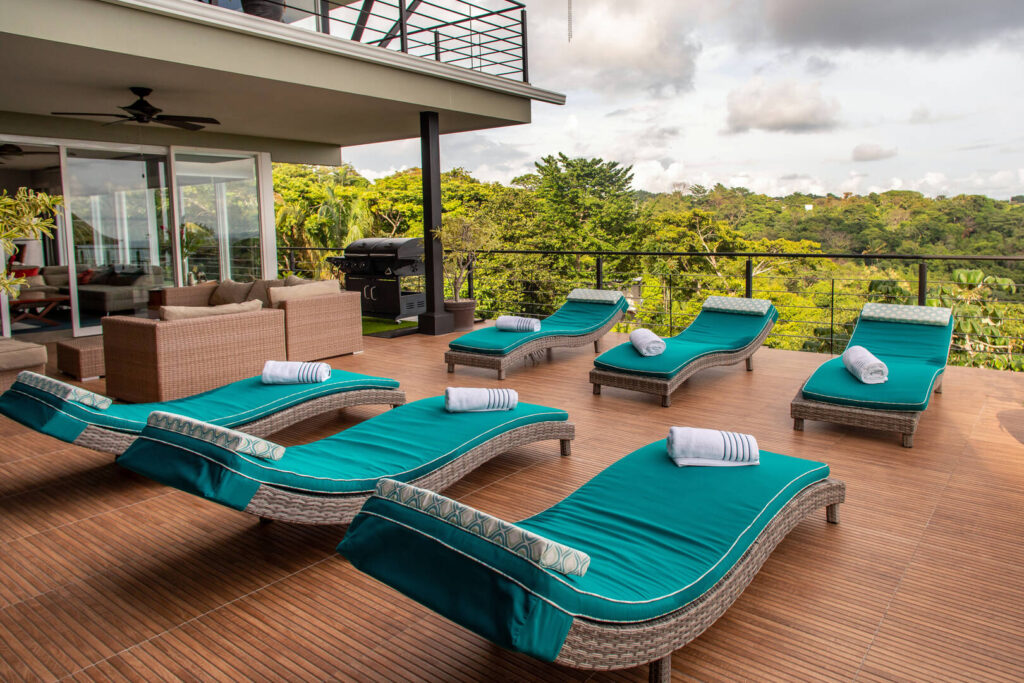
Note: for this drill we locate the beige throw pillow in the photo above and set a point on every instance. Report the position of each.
(318, 288)
(230, 292)
(293, 280)
(260, 290)
(187, 312)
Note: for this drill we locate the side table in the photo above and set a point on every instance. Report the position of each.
(82, 358)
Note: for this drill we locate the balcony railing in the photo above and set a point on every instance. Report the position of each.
(484, 35)
(819, 296)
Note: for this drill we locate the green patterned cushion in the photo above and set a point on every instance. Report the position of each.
(737, 304)
(898, 313)
(64, 391)
(595, 296)
(537, 549)
(221, 436)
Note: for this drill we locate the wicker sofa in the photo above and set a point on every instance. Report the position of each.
(317, 327)
(161, 360)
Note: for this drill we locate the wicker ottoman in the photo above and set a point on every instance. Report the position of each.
(16, 356)
(81, 358)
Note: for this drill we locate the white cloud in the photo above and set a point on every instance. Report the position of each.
(784, 106)
(867, 151)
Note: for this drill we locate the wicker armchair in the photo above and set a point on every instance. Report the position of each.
(318, 327)
(323, 326)
(156, 360)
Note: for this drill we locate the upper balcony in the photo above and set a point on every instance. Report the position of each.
(488, 36)
(329, 74)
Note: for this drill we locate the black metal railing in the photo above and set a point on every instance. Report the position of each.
(484, 35)
(818, 296)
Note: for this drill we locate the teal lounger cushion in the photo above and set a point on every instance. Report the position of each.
(573, 318)
(402, 444)
(658, 537)
(915, 354)
(231, 405)
(710, 332)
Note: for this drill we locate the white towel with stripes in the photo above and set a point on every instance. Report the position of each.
(516, 323)
(468, 400)
(294, 372)
(646, 342)
(865, 366)
(690, 446)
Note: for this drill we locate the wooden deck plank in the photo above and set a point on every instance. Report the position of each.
(107, 576)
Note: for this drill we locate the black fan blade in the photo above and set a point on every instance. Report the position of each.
(86, 113)
(184, 125)
(187, 119)
(114, 123)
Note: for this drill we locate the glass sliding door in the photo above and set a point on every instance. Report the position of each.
(119, 236)
(219, 213)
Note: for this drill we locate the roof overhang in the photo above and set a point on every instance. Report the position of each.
(297, 94)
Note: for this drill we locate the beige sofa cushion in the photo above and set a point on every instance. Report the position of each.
(188, 312)
(293, 280)
(260, 291)
(18, 355)
(318, 288)
(230, 292)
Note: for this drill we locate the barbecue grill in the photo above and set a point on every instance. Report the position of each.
(375, 267)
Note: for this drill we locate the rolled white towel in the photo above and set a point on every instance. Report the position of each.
(711, 448)
(294, 372)
(646, 342)
(467, 400)
(865, 366)
(516, 323)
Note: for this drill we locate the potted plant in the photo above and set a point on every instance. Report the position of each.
(462, 236)
(26, 214)
(268, 9)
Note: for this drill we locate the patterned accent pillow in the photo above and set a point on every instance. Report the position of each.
(64, 391)
(595, 296)
(737, 304)
(898, 313)
(542, 551)
(220, 436)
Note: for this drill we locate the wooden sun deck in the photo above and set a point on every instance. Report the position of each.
(105, 575)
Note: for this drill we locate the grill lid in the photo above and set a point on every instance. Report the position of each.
(401, 249)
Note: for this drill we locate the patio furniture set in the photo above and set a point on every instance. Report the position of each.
(633, 565)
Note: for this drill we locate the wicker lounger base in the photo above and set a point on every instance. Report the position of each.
(502, 363)
(114, 442)
(665, 387)
(286, 505)
(600, 646)
(902, 421)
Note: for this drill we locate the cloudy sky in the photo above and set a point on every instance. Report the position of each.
(774, 95)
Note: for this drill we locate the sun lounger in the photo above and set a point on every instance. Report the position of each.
(914, 344)
(326, 481)
(630, 567)
(586, 317)
(715, 337)
(81, 417)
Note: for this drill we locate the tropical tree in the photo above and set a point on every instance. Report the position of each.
(26, 214)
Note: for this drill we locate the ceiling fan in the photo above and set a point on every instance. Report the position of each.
(141, 111)
(9, 151)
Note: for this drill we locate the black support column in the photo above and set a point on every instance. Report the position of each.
(436, 320)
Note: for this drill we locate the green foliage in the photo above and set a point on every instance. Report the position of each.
(27, 214)
(574, 204)
(463, 235)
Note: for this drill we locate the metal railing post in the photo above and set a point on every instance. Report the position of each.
(922, 283)
(522, 36)
(402, 26)
(671, 301)
(437, 46)
(600, 273)
(749, 277)
(323, 18)
(291, 260)
(832, 320)
(469, 279)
